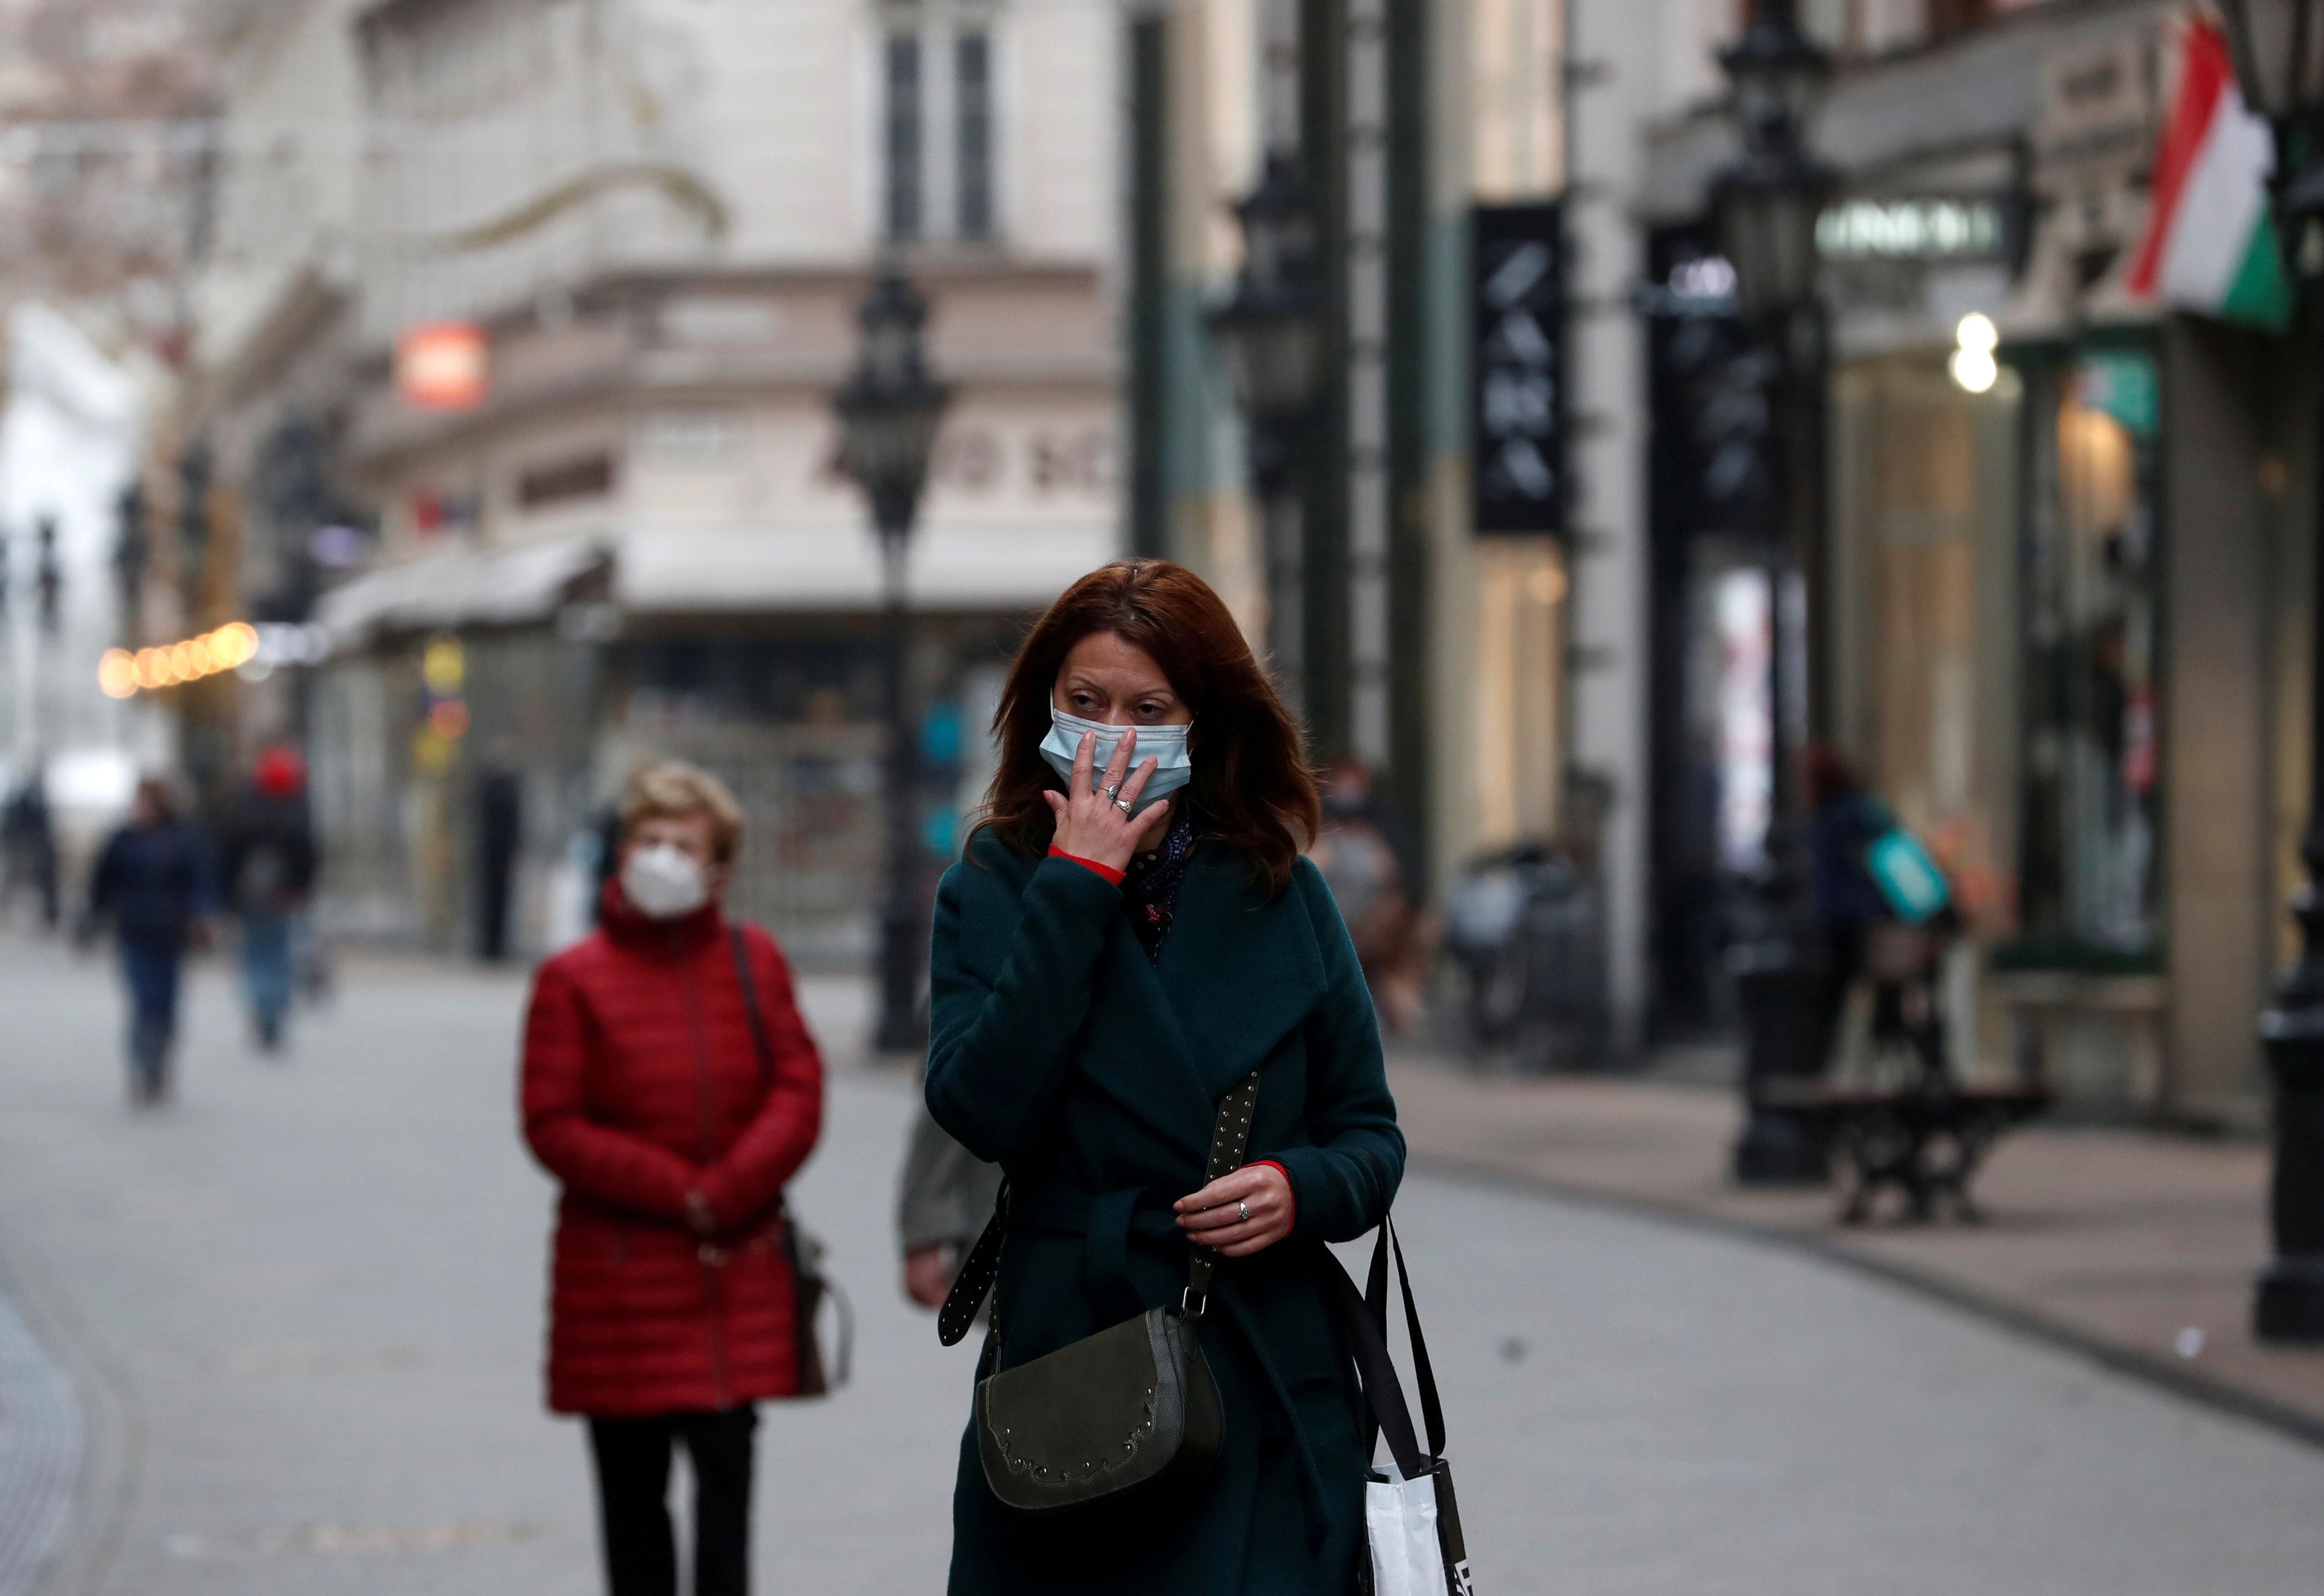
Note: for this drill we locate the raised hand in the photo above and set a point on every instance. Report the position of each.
(1093, 819)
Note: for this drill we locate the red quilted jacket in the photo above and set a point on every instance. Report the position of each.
(641, 1084)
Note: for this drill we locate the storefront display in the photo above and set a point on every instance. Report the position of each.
(2091, 883)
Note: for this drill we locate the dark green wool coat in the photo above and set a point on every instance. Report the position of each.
(1058, 1050)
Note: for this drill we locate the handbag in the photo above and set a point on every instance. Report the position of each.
(1133, 1407)
(1412, 1520)
(802, 1249)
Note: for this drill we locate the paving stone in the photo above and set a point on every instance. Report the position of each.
(40, 1453)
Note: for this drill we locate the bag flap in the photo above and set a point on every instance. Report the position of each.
(1088, 1413)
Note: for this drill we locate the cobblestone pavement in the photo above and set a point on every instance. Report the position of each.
(40, 1453)
(302, 1311)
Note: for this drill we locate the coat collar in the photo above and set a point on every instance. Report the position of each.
(1238, 971)
(628, 926)
(1247, 974)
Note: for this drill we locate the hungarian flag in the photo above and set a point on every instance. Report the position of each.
(2210, 245)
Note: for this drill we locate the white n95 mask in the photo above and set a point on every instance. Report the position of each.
(1166, 745)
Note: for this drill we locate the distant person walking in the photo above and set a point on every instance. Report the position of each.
(1843, 821)
(1369, 865)
(670, 1084)
(155, 885)
(268, 868)
(500, 837)
(28, 848)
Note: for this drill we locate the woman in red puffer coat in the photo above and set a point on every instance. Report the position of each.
(672, 1309)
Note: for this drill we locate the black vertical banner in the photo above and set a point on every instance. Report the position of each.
(1518, 412)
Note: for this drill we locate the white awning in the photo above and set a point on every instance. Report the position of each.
(791, 567)
(496, 586)
(673, 570)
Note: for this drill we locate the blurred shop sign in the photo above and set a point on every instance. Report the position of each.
(1918, 228)
(1518, 409)
(2098, 109)
(440, 366)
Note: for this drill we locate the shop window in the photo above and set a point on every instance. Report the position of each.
(2090, 882)
(1520, 589)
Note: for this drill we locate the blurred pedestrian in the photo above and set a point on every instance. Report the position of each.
(671, 1085)
(269, 867)
(500, 836)
(944, 1198)
(155, 884)
(1844, 820)
(28, 848)
(1365, 858)
(1110, 965)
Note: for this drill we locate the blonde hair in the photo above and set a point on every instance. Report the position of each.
(671, 789)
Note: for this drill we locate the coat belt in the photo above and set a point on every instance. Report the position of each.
(1106, 1222)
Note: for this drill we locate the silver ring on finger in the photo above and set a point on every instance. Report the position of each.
(1122, 804)
(1244, 1210)
(1113, 792)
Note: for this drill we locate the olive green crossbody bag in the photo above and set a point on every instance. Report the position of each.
(1133, 1407)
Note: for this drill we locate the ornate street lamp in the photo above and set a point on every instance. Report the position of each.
(2278, 46)
(1269, 337)
(1766, 206)
(888, 410)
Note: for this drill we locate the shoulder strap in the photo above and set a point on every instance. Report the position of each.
(1365, 1316)
(763, 1049)
(1383, 1392)
(978, 1270)
(1230, 1137)
(1431, 1408)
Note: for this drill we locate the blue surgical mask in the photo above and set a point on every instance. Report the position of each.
(1166, 745)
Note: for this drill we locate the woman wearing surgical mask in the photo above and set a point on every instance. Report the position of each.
(672, 1118)
(1134, 933)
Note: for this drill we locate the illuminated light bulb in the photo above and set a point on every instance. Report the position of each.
(1975, 331)
(116, 673)
(239, 640)
(151, 668)
(186, 662)
(1975, 370)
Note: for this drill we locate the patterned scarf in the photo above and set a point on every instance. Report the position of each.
(1149, 889)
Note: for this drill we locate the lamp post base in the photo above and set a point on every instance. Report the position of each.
(1785, 1037)
(1780, 1149)
(2288, 1305)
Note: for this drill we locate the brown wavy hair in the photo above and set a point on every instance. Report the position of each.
(1251, 790)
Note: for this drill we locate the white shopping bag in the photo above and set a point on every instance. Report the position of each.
(1400, 1519)
(1411, 1517)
